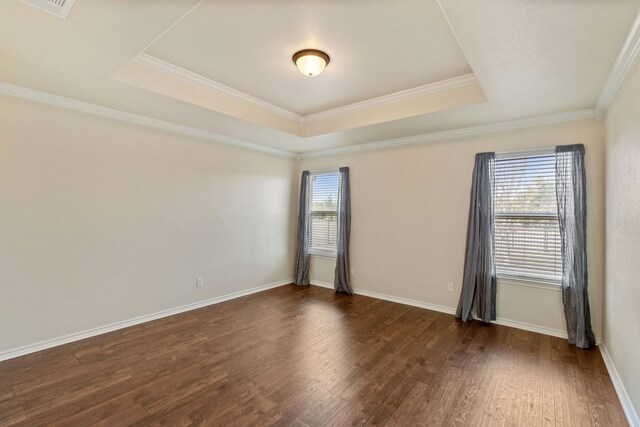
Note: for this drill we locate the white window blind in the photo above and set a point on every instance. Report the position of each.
(526, 218)
(323, 218)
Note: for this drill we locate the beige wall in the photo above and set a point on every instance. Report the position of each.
(622, 292)
(409, 218)
(102, 221)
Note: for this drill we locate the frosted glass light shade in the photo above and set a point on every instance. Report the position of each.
(311, 62)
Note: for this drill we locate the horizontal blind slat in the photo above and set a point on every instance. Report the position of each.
(527, 237)
(323, 219)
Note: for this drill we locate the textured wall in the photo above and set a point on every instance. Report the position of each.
(410, 210)
(102, 221)
(622, 291)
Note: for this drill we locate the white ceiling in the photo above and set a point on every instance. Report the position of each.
(531, 58)
(376, 47)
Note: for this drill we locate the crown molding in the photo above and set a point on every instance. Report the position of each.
(458, 133)
(169, 69)
(85, 107)
(453, 83)
(172, 70)
(626, 57)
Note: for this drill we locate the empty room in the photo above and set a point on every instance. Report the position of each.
(320, 213)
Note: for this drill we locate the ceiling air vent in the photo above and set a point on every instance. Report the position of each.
(59, 8)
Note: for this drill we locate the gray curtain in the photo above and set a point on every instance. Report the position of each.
(479, 282)
(342, 281)
(572, 218)
(301, 275)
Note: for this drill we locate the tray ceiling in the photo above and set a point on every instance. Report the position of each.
(376, 48)
(523, 59)
(389, 60)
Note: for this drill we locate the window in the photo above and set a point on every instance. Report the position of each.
(323, 212)
(526, 218)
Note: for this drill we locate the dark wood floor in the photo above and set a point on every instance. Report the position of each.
(306, 356)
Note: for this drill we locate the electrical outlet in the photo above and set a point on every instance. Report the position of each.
(199, 282)
(450, 287)
(352, 271)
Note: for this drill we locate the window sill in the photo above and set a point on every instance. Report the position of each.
(530, 283)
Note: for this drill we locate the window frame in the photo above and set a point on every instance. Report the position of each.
(525, 279)
(321, 252)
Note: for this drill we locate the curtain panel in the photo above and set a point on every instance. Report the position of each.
(301, 274)
(342, 280)
(479, 281)
(572, 217)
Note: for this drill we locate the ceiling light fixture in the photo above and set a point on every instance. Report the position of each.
(311, 62)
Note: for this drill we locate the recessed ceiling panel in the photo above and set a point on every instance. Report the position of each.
(376, 47)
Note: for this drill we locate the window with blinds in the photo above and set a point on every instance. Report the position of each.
(526, 218)
(323, 212)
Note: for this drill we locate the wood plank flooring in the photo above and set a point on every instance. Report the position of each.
(295, 356)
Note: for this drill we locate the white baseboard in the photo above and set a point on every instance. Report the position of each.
(322, 284)
(406, 301)
(625, 400)
(532, 328)
(43, 345)
(391, 298)
(450, 310)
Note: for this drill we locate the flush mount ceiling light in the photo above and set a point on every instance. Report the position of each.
(311, 62)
